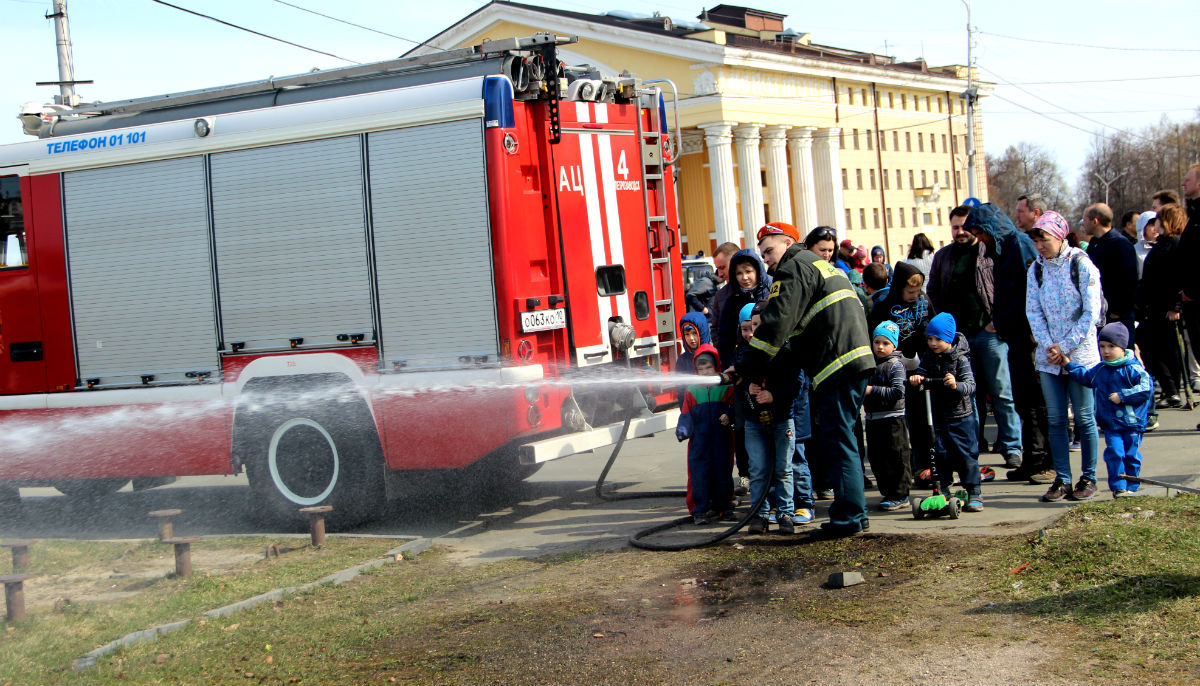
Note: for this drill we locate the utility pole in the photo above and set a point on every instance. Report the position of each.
(66, 72)
(1108, 183)
(971, 94)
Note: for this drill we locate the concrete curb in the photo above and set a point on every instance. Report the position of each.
(415, 546)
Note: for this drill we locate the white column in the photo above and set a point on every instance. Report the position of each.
(719, 139)
(749, 181)
(799, 144)
(827, 177)
(775, 161)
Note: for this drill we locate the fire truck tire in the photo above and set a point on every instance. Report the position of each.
(89, 488)
(317, 455)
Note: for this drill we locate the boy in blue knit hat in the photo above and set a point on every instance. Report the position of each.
(1124, 394)
(947, 367)
(887, 432)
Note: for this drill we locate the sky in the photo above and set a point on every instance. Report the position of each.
(1064, 70)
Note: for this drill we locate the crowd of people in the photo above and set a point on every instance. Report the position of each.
(830, 358)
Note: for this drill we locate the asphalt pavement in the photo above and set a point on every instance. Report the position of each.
(556, 510)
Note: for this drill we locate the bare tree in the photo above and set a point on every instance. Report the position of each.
(1025, 168)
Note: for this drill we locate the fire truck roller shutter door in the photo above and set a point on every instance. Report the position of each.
(596, 234)
(140, 270)
(428, 189)
(290, 234)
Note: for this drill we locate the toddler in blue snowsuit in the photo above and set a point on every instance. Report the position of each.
(704, 422)
(1124, 393)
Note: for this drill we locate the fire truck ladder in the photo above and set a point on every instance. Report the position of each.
(661, 236)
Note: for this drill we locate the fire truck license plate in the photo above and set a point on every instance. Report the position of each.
(543, 320)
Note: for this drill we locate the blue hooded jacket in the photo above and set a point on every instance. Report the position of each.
(1127, 378)
(1011, 252)
(684, 364)
(727, 328)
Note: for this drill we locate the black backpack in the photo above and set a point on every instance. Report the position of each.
(1075, 260)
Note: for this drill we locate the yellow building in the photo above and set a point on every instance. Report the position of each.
(776, 127)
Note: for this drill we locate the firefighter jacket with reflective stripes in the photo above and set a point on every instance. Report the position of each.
(812, 305)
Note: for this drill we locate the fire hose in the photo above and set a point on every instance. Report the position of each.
(637, 540)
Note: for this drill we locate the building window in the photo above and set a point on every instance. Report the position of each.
(884, 177)
(943, 142)
(939, 216)
(910, 179)
(848, 218)
(964, 139)
(933, 143)
(872, 178)
(899, 181)
(875, 216)
(862, 218)
(924, 180)
(928, 104)
(920, 143)
(858, 178)
(856, 139)
(842, 139)
(845, 180)
(947, 178)
(953, 144)
(889, 217)
(896, 141)
(927, 217)
(883, 140)
(849, 95)
(939, 99)
(865, 100)
(891, 100)
(901, 212)
(958, 179)
(914, 217)
(870, 140)
(935, 176)
(907, 141)
(903, 101)
(962, 106)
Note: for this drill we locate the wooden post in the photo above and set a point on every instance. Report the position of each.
(14, 596)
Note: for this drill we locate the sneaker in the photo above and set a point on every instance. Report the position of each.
(1076, 446)
(758, 525)
(803, 516)
(1084, 490)
(772, 518)
(1152, 422)
(743, 487)
(1046, 476)
(1169, 401)
(1058, 490)
(893, 505)
(987, 474)
(974, 504)
(826, 494)
(729, 516)
(700, 519)
(1013, 460)
(786, 525)
(1120, 493)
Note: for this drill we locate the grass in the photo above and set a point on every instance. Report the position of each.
(1109, 594)
(40, 649)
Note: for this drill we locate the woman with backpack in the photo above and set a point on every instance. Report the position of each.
(1063, 303)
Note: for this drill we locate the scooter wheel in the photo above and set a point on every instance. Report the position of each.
(915, 502)
(953, 508)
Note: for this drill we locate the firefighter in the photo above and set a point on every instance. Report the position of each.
(813, 307)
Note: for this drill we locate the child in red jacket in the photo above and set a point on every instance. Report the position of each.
(704, 421)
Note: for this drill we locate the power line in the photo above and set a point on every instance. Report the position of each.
(1063, 109)
(1043, 114)
(1086, 45)
(257, 33)
(1132, 78)
(360, 26)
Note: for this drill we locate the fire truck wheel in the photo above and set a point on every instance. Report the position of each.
(318, 455)
(89, 488)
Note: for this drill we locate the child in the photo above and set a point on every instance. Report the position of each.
(875, 283)
(956, 430)
(704, 423)
(907, 305)
(1124, 394)
(770, 434)
(693, 329)
(887, 434)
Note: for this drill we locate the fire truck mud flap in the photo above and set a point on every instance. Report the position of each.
(584, 441)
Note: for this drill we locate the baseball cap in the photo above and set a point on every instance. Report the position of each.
(778, 229)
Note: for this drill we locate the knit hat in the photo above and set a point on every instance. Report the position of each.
(1115, 333)
(942, 326)
(1143, 220)
(1054, 224)
(779, 229)
(745, 313)
(888, 330)
(877, 250)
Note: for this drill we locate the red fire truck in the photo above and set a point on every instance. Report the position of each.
(333, 279)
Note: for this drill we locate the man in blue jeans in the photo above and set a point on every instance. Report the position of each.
(961, 282)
